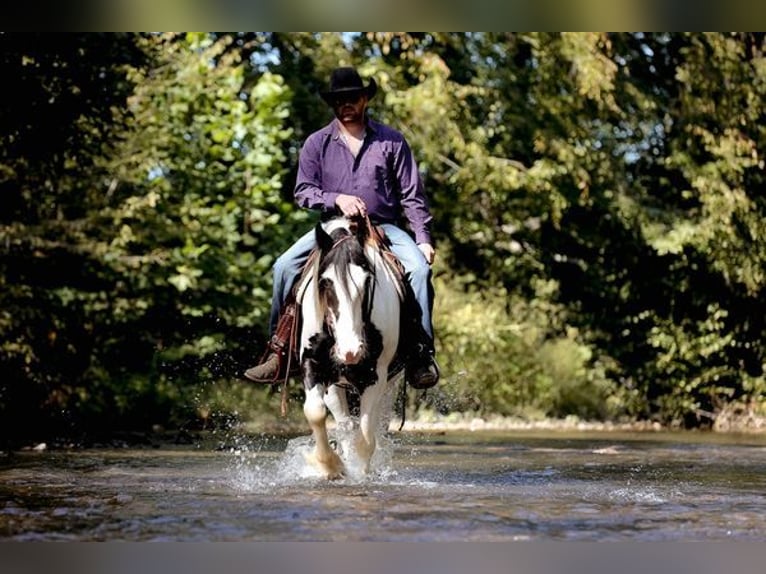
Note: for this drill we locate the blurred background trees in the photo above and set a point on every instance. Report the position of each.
(598, 203)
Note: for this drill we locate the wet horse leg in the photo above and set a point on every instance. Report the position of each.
(369, 418)
(323, 457)
(335, 399)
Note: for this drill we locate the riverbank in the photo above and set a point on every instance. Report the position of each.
(739, 422)
(428, 421)
(498, 423)
(734, 421)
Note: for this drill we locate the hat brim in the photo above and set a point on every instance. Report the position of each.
(370, 90)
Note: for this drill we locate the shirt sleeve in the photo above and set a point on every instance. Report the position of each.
(308, 184)
(413, 198)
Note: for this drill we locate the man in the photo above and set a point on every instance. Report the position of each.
(356, 167)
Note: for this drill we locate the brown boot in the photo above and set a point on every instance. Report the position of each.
(272, 367)
(267, 371)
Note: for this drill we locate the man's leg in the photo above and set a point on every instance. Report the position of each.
(286, 270)
(422, 371)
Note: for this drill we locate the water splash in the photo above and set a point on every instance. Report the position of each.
(253, 470)
(640, 495)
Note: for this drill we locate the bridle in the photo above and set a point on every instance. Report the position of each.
(369, 288)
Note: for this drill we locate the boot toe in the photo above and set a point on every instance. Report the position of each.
(267, 372)
(424, 376)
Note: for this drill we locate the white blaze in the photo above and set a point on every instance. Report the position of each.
(349, 339)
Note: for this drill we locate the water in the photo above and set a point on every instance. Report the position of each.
(485, 486)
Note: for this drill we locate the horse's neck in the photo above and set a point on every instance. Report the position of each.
(309, 273)
(385, 267)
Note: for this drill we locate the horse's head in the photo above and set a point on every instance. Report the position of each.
(344, 279)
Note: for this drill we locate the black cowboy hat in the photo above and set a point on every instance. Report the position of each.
(347, 82)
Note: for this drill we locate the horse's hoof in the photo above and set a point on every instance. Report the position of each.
(331, 469)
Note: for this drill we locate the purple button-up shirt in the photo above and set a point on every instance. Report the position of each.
(384, 174)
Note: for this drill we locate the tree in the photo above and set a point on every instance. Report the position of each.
(167, 247)
(62, 113)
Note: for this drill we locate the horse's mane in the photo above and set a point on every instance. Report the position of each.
(342, 245)
(346, 250)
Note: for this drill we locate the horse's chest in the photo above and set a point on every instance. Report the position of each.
(324, 368)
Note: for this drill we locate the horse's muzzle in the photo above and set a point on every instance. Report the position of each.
(350, 356)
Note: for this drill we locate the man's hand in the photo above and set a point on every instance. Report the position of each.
(428, 252)
(351, 205)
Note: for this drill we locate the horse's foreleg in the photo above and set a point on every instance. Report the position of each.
(369, 418)
(323, 457)
(336, 401)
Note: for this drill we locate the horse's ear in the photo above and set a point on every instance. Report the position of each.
(324, 241)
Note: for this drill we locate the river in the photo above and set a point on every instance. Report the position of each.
(438, 486)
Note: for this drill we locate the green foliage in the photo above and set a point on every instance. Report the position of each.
(624, 168)
(198, 210)
(596, 198)
(162, 261)
(512, 356)
(680, 350)
(65, 110)
(199, 207)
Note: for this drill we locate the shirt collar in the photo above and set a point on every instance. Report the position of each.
(370, 126)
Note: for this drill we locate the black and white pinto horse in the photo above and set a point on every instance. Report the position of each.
(350, 318)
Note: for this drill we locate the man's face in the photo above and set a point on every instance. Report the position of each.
(349, 107)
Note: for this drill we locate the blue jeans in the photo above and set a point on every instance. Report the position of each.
(288, 267)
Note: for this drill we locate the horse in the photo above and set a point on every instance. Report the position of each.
(349, 334)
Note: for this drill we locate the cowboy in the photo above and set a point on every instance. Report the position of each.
(358, 167)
